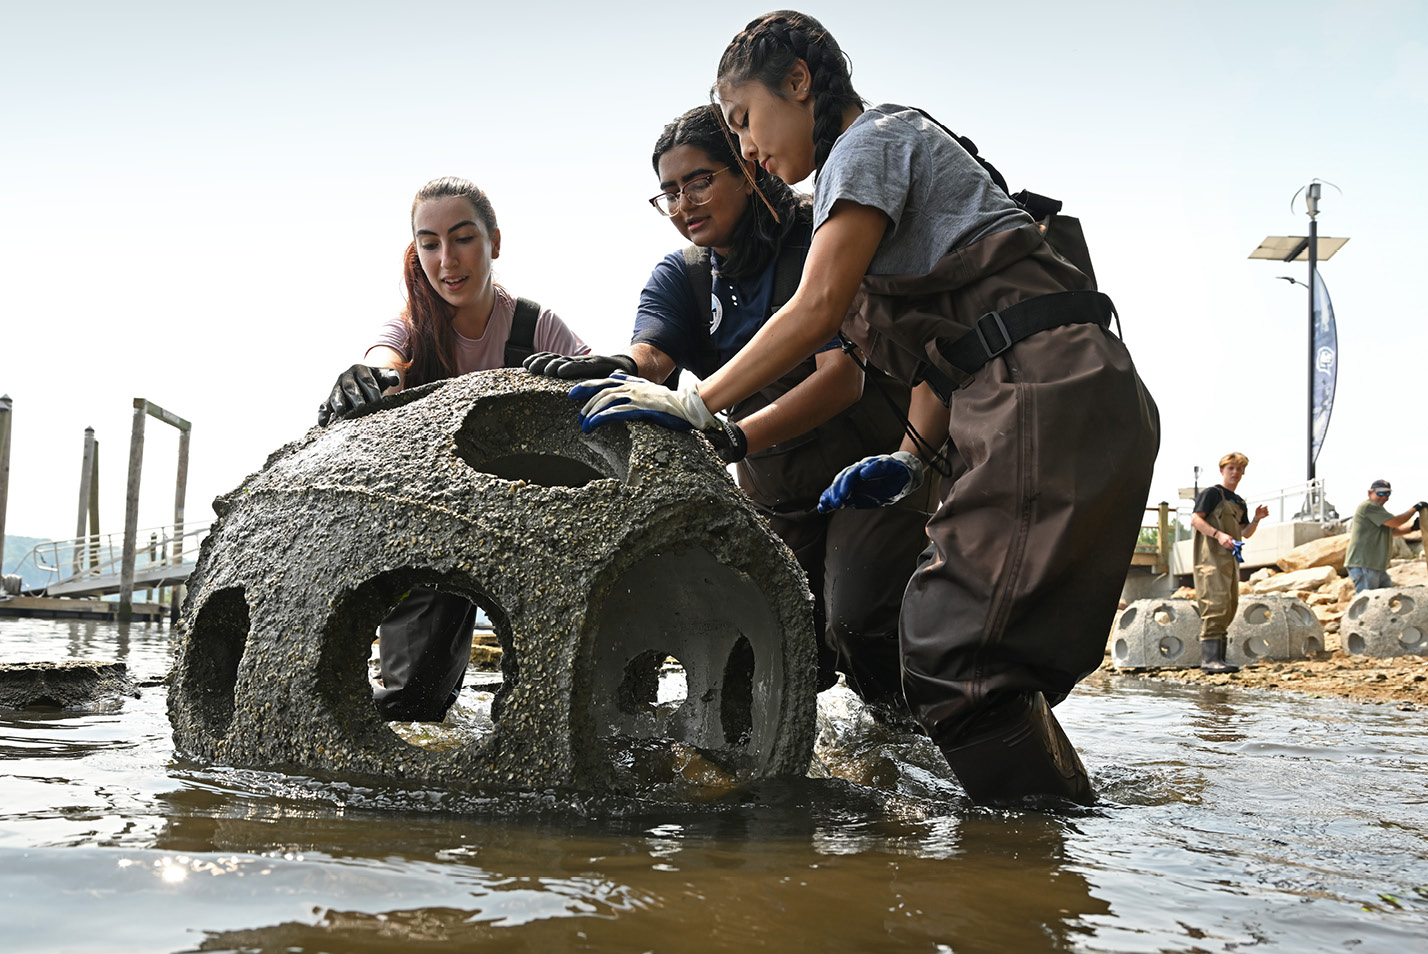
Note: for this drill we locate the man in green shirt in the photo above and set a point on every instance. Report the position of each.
(1371, 536)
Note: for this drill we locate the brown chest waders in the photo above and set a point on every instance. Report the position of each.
(1217, 578)
(1031, 544)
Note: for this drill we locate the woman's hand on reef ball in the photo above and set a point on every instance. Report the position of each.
(356, 387)
(623, 397)
(579, 366)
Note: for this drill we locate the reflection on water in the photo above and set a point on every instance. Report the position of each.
(1227, 821)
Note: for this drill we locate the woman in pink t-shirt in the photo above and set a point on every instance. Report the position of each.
(457, 320)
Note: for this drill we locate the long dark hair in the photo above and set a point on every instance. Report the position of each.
(764, 52)
(428, 316)
(761, 230)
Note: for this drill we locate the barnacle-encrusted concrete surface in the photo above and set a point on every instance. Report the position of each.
(594, 556)
(81, 685)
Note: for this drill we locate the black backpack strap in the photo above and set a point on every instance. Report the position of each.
(521, 343)
(971, 148)
(699, 270)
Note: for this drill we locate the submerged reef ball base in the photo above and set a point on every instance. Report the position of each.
(595, 556)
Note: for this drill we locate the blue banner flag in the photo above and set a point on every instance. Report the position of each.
(1326, 362)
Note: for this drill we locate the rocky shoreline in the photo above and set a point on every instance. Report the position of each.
(1399, 681)
(1315, 574)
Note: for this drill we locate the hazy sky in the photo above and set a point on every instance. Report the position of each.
(206, 205)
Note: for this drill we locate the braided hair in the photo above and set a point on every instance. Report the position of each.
(765, 51)
(761, 230)
(428, 316)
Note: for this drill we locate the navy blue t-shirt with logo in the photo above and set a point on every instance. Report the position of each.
(668, 316)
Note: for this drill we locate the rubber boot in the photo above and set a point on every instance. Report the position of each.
(1212, 656)
(1016, 750)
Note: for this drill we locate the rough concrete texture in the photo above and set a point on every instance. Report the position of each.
(1166, 633)
(80, 685)
(1387, 622)
(1156, 632)
(1273, 627)
(592, 555)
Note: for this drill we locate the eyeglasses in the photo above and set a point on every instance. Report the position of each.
(1382, 493)
(695, 192)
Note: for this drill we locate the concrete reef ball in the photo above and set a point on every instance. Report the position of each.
(594, 556)
(1165, 633)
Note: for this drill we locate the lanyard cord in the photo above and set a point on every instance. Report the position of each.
(935, 457)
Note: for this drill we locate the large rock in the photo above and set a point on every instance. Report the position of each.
(1326, 551)
(594, 556)
(1299, 580)
(1412, 573)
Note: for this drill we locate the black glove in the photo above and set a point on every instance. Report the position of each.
(1421, 505)
(357, 387)
(729, 441)
(581, 366)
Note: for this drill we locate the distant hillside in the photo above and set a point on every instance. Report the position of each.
(15, 550)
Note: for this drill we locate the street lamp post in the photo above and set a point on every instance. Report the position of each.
(1311, 200)
(1290, 248)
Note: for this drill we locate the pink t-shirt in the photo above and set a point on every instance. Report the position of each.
(489, 350)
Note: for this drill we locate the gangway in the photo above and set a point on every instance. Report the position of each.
(93, 565)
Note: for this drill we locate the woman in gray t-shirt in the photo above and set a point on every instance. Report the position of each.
(1052, 436)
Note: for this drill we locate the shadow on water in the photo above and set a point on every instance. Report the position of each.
(1226, 821)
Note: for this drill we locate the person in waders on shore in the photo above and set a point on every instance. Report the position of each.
(750, 235)
(457, 320)
(1009, 354)
(1221, 518)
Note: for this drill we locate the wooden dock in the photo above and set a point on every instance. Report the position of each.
(50, 607)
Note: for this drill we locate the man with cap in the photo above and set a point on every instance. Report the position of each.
(1371, 537)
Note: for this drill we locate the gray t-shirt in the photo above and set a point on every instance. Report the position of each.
(937, 196)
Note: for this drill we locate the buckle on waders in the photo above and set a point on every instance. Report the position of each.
(997, 325)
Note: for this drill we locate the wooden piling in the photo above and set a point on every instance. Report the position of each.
(88, 485)
(131, 511)
(5, 405)
(142, 409)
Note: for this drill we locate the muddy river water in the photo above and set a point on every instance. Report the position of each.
(1228, 821)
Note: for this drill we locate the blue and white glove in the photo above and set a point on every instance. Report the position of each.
(873, 482)
(624, 397)
(1239, 549)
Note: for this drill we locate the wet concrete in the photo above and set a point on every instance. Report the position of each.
(78, 685)
(594, 556)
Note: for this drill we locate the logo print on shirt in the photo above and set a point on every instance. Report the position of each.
(716, 313)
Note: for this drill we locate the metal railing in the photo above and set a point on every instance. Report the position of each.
(101, 555)
(1298, 503)
(1153, 545)
(1302, 503)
